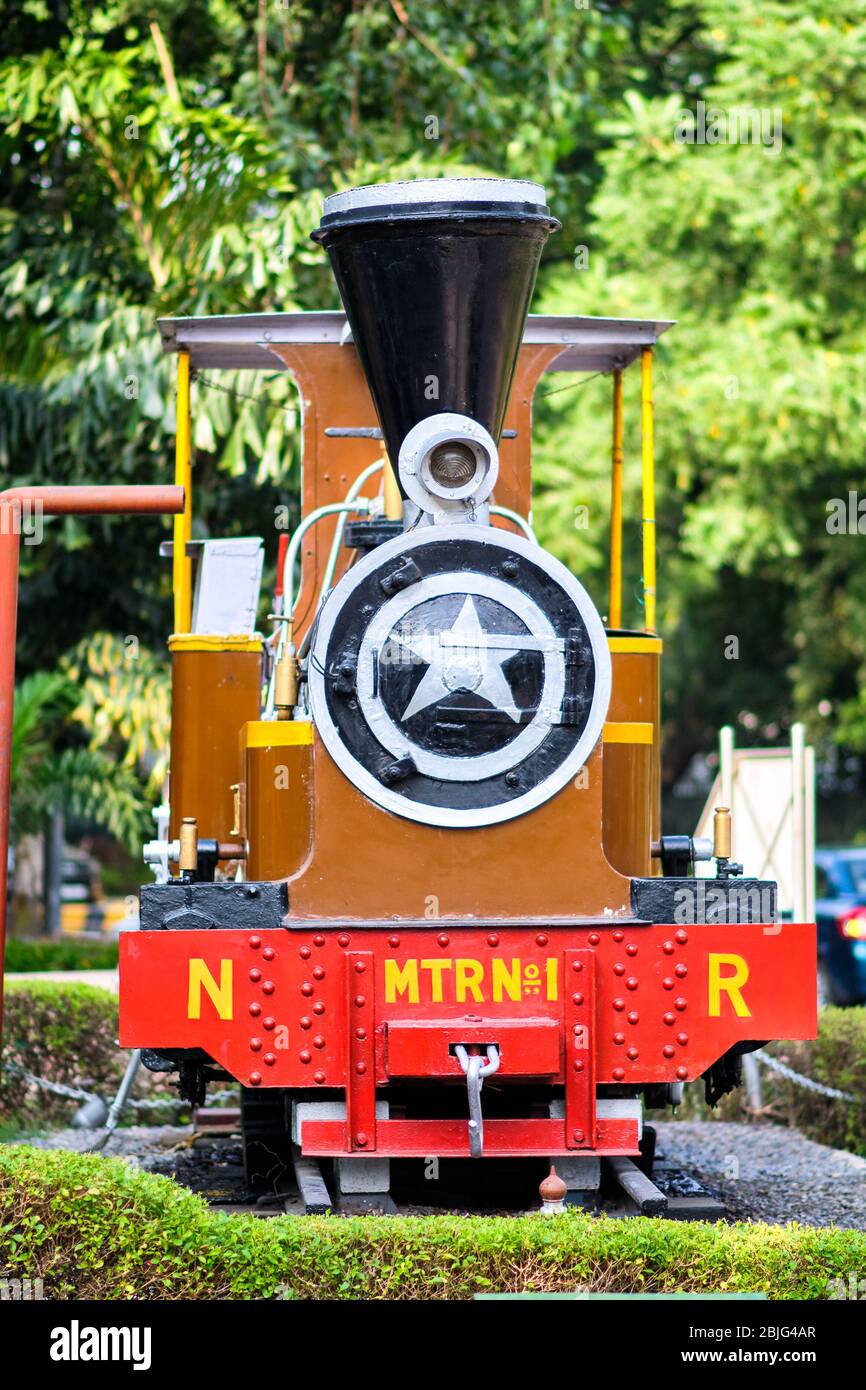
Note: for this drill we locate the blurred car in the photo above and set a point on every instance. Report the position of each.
(84, 908)
(840, 911)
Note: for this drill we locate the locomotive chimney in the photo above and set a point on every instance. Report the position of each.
(436, 277)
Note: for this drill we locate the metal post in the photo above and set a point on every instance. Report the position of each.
(181, 562)
(798, 821)
(648, 490)
(726, 777)
(614, 616)
(809, 852)
(49, 501)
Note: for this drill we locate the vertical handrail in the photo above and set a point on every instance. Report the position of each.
(47, 501)
(181, 561)
(648, 509)
(614, 617)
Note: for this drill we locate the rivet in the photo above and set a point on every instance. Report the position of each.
(306, 989)
(319, 1078)
(577, 999)
(632, 982)
(318, 1041)
(618, 1073)
(255, 1044)
(268, 987)
(578, 1066)
(268, 953)
(578, 1136)
(360, 1034)
(442, 939)
(681, 1004)
(681, 971)
(681, 936)
(594, 938)
(619, 969)
(618, 935)
(670, 1019)
(541, 939)
(361, 1139)
(305, 952)
(360, 1068)
(255, 1010)
(342, 941)
(319, 973)
(318, 941)
(577, 966)
(360, 1001)
(682, 1073)
(619, 1004)
(255, 1078)
(305, 1056)
(634, 1017)
(269, 1059)
(682, 1039)
(668, 948)
(318, 1007)
(668, 1051)
(360, 967)
(255, 976)
(306, 1022)
(255, 943)
(631, 949)
(493, 939)
(632, 1054)
(269, 1023)
(668, 982)
(394, 941)
(619, 1039)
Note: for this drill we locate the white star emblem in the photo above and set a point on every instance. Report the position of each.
(462, 663)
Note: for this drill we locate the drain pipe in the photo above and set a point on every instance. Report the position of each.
(46, 501)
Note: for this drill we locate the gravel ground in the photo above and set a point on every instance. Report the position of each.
(767, 1173)
(760, 1172)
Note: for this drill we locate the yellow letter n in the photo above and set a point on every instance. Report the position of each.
(220, 994)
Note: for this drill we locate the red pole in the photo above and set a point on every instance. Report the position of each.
(47, 501)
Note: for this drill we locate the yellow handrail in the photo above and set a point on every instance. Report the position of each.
(614, 617)
(182, 563)
(648, 526)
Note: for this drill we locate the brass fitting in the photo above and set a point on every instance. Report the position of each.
(239, 801)
(722, 833)
(286, 679)
(188, 857)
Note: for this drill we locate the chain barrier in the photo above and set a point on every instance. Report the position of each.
(806, 1082)
(58, 1088)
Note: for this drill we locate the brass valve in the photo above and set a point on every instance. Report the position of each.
(722, 833)
(286, 678)
(188, 856)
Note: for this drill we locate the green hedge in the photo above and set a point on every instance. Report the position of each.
(62, 1031)
(51, 954)
(95, 1228)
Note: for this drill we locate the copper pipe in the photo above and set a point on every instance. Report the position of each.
(49, 501)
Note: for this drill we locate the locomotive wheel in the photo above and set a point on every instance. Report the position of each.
(265, 1137)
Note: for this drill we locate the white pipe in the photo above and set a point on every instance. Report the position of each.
(519, 521)
(336, 544)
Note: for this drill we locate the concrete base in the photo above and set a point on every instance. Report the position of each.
(363, 1174)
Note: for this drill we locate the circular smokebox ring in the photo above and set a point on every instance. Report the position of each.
(464, 561)
(416, 453)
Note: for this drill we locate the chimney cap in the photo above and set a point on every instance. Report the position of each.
(432, 197)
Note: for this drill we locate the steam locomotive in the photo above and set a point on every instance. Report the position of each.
(411, 887)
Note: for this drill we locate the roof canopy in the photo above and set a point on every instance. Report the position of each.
(238, 341)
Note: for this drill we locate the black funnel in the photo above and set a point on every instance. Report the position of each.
(436, 277)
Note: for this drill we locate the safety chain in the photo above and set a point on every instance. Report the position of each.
(57, 1088)
(805, 1081)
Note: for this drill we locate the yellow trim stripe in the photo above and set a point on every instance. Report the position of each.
(212, 642)
(627, 733)
(277, 733)
(622, 645)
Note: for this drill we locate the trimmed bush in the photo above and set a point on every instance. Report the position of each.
(62, 1032)
(50, 954)
(95, 1228)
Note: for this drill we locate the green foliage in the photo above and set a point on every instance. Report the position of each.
(837, 1059)
(95, 1228)
(27, 955)
(61, 1032)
